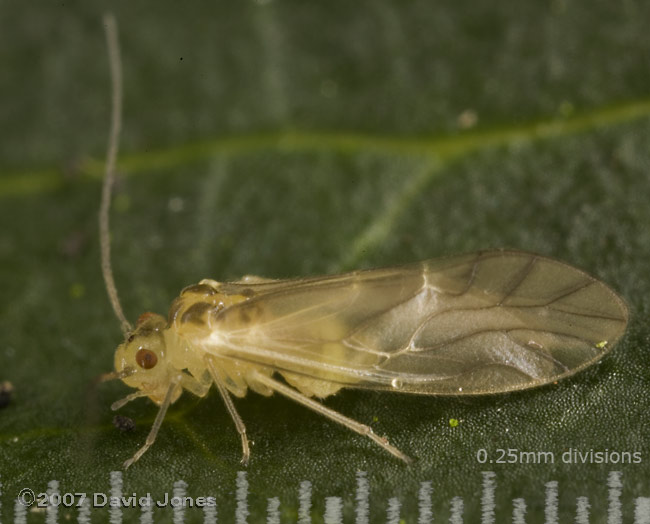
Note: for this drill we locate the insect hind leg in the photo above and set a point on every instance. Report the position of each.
(239, 423)
(349, 423)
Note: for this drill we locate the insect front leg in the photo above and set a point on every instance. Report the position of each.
(151, 438)
(349, 423)
(119, 403)
(225, 395)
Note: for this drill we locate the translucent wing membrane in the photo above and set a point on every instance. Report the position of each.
(473, 324)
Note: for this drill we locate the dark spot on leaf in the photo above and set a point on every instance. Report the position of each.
(123, 423)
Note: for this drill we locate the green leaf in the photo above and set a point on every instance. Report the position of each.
(286, 138)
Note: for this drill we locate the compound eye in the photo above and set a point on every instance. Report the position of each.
(146, 358)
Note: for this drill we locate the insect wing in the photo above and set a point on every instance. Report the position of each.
(480, 323)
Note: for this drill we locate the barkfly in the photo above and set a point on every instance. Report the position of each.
(479, 323)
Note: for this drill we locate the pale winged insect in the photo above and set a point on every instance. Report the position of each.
(474, 324)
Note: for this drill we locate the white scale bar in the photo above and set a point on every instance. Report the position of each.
(83, 515)
(210, 514)
(20, 513)
(52, 510)
(642, 510)
(362, 510)
(273, 511)
(518, 511)
(582, 510)
(392, 512)
(487, 498)
(614, 514)
(146, 511)
(425, 513)
(456, 511)
(241, 511)
(180, 491)
(333, 510)
(550, 506)
(115, 512)
(304, 503)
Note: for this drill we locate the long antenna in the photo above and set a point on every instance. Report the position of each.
(110, 25)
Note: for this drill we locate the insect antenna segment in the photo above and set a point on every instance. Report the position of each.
(115, 63)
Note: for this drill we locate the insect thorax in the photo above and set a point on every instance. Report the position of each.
(199, 311)
(197, 307)
(192, 319)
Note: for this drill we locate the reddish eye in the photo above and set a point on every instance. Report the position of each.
(146, 358)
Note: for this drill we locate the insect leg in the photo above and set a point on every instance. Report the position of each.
(119, 403)
(349, 423)
(156, 425)
(239, 423)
